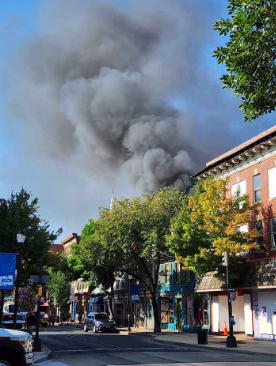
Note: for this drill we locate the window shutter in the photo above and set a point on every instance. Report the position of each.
(272, 182)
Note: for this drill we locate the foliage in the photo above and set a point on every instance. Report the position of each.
(250, 54)
(20, 212)
(133, 235)
(207, 225)
(27, 298)
(60, 288)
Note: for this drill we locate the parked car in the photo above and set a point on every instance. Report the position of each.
(15, 348)
(99, 322)
(7, 321)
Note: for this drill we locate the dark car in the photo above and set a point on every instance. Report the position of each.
(7, 321)
(99, 322)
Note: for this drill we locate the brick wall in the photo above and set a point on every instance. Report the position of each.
(268, 207)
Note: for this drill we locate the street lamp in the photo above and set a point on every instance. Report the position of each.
(129, 302)
(20, 240)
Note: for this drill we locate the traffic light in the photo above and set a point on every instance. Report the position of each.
(225, 259)
(39, 292)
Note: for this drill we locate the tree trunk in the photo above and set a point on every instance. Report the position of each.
(1, 306)
(109, 305)
(157, 326)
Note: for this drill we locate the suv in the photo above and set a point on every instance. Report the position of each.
(99, 322)
(15, 348)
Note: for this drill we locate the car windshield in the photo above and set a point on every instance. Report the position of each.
(10, 317)
(101, 316)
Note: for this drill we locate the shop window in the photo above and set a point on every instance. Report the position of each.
(189, 317)
(167, 310)
(205, 321)
(177, 272)
(273, 231)
(257, 188)
(167, 273)
(272, 182)
(260, 239)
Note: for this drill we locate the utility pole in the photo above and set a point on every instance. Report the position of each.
(37, 340)
(231, 339)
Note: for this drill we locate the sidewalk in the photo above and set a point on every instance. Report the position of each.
(42, 356)
(245, 345)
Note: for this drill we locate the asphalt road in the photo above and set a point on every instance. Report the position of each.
(71, 346)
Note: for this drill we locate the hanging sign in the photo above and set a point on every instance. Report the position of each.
(7, 270)
(135, 293)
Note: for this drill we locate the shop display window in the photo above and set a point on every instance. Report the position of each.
(167, 310)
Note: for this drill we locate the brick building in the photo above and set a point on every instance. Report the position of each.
(251, 169)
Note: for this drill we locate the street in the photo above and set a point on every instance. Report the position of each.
(71, 346)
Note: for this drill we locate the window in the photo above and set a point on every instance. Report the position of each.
(239, 187)
(167, 273)
(243, 229)
(177, 272)
(260, 239)
(257, 188)
(272, 182)
(273, 231)
(187, 276)
(167, 310)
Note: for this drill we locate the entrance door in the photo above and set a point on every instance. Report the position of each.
(179, 314)
(150, 316)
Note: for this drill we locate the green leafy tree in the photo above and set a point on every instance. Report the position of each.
(60, 288)
(250, 54)
(21, 212)
(208, 224)
(133, 236)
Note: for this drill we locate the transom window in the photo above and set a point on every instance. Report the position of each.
(257, 188)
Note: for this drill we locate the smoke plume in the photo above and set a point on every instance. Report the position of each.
(96, 82)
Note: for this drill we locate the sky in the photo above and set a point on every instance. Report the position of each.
(169, 89)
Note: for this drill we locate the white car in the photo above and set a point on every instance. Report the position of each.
(15, 348)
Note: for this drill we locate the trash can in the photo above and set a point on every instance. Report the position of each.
(202, 336)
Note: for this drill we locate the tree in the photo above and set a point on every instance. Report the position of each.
(133, 234)
(27, 298)
(60, 288)
(93, 262)
(250, 54)
(208, 224)
(20, 212)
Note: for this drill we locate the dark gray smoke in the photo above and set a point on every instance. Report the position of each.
(95, 84)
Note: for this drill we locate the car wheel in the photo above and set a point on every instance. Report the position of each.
(84, 328)
(94, 329)
(5, 361)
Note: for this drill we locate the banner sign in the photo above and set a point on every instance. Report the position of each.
(7, 270)
(135, 293)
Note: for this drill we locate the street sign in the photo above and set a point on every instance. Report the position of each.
(44, 279)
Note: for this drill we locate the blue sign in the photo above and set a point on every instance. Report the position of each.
(7, 270)
(135, 293)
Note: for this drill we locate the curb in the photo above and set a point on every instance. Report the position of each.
(46, 356)
(204, 347)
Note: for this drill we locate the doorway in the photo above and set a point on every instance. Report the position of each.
(179, 314)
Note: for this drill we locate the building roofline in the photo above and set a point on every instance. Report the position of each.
(249, 144)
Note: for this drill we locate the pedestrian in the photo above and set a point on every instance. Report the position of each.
(30, 321)
(80, 318)
(62, 317)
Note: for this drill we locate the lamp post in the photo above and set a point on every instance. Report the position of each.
(20, 240)
(231, 339)
(129, 303)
